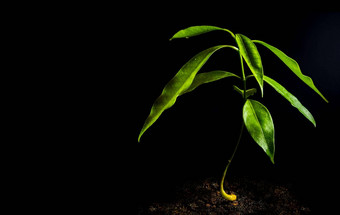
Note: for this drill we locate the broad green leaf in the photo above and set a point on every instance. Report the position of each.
(207, 77)
(249, 92)
(292, 65)
(179, 83)
(252, 57)
(291, 98)
(260, 126)
(198, 30)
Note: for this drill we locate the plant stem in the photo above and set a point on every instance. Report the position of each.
(232, 34)
(244, 79)
(230, 197)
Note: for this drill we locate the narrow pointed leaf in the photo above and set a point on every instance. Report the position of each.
(291, 98)
(179, 83)
(238, 90)
(249, 92)
(252, 57)
(260, 126)
(292, 65)
(198, 30)
(207, 77)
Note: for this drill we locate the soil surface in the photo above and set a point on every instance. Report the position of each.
(254, 196)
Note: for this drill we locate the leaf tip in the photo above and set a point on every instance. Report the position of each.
(173, 37)
(312, 120)
(322, 96)
(272, 160)
(140, 136)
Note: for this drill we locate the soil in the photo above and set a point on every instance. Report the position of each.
(254, 196)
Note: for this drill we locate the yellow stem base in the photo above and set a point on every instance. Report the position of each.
(229, 197)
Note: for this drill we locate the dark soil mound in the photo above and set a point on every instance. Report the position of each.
(253, 197)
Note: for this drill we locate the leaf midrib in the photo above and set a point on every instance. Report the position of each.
(248, 56)
(257, 120)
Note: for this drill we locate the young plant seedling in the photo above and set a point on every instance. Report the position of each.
(256, 117)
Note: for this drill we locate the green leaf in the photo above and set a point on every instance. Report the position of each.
(249, 92)
(238, 90)
(292, 65)
(198, 30)
(260, 126)
(291, 98)
(207, 77)
(252, 57)
(178, 84)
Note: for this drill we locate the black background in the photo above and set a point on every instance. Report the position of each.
(90, 74)
(195, 138)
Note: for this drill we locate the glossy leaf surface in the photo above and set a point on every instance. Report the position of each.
(291, 98)
(292, 65)
(181, 82)
(207, 77)
(260, 126)
(198, 30)
(252, 57)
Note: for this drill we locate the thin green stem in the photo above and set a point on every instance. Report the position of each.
(231, 33)
(249, 76)
(230, 197)
(243, 78)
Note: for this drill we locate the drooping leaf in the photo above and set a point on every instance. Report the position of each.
(291, 98)
(198, 30)
(179, 83)
(252, 57)
(207, 77)
(292, 65)
(260, 126)
(249, 92)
